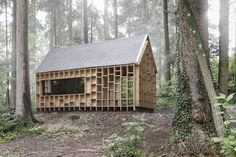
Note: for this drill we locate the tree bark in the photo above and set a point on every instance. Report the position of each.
(7, 54)
(223, 46)
(13, 60)
(115, 19)
(91, 28)
(23, 100)
(85, 22)
(167, 69)
(105, 17)
(55, 26)
(193, 52)
(235, 53)
(145, 15)
(70, 22)
(33, 5)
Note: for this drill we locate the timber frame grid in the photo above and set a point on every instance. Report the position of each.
(106, 88)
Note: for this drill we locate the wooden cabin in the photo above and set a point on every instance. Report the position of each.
(118, 74)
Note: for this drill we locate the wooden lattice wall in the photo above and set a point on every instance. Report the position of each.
(106, 88)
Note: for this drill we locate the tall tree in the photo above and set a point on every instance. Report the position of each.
(223, 46)
(23, 100)
(145, 15)
(85, 22)
(13, 59)
(115, 18)
(55, 27)
(167, 69)
(195, 87)
(235, 52)
(70, 21)
(32, 25)
(105, 18)
(7, 53)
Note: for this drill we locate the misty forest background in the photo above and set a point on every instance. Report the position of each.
(61, 23)
(194, 45)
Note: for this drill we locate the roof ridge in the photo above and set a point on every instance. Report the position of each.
(54, 50)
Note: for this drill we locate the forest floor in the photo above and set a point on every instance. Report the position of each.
(83, 134)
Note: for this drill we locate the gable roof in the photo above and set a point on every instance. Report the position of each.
(107, 53)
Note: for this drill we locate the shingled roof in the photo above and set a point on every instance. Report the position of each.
(107, 53)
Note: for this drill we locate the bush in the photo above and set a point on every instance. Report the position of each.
(11, 128)
(128, 145)
(8, 120)
(166, 97)
(228, 143)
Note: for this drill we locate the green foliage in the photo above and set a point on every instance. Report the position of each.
(228, 143)
(183, 116)
(128, 145)
(35, 130)
(8, 120)
(166, 97)
(22, 130)
(232, 70)
(11, 128)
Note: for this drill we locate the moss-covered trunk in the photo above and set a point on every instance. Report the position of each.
(193, 119)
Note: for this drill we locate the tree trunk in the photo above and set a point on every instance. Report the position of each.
(23, 100)
(7, 54)
(106, 27)
(33, 2)
(145, 15)
(235, 54)
(196, 71)
(91, 28)
(70, 22)
(116, 18)
(85, 22)
(167, 69)
(206, 79)
(223, 46)
(13, 60)
(55, 27)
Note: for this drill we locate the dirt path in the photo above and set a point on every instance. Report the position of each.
(82, 134)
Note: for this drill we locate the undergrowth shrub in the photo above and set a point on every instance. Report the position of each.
(129, 144)
(11, 128)
(166, 97)
(8, 120)
(228, 143)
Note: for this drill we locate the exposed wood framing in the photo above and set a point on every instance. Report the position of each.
(120, 87)
(147, 80)
(106, 88)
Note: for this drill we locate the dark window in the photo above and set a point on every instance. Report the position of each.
(63, 86)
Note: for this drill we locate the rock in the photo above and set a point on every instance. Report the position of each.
(74, 117)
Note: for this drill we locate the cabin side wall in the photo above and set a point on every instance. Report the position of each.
(106, 88)
(147, 79)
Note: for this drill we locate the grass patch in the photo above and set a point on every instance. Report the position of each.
(59, 132)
